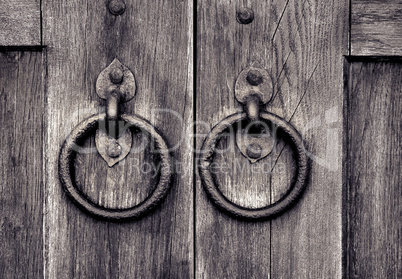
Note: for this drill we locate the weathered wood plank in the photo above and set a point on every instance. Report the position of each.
(227, 247)
(305, 60)
(308, 50)
(21, 164)
(373, 177)
(376, 28)
(154, 39)
(20, 23)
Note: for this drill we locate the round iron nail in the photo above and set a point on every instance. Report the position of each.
(244, 15)
(254, 77)
(116, 75)
(117, 7)
(254, 151)
(114, 150)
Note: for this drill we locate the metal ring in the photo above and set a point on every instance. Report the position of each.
(66, 165)
(271, 210)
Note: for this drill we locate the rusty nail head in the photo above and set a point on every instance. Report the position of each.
(254, 151)
(116, 75)
(245, 15)
(254, 77)
(117, 7)
(114, 150)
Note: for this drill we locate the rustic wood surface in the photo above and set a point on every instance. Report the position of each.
(226, 247)
(21, 164)
(20, 23)
(308, 49)
(301, 44)
(376, 28)
(373, 192)
(153, 39)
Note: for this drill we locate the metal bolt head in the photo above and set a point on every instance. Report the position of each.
(244, 15)
(254, 151)
(254, 77)
(116, 75)
(116, 7)
(114, 150)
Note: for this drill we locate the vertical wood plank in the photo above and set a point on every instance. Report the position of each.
(309, 45)
(20, 23)
(21, 185)
(373, 192)
(154, 39)
(301, 44)
(227, 247)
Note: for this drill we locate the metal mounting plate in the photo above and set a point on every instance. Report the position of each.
(253, 80)
(104, 84)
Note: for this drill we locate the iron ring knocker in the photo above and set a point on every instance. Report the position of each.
(82, 130)
(253, 102)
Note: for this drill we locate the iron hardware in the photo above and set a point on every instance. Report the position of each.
(251, 89)
(244, 15)
(114, 143)
(116, 7)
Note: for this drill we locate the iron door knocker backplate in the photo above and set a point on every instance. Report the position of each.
(115, 84)
(252, 89)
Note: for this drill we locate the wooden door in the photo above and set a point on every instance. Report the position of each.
(334, 69)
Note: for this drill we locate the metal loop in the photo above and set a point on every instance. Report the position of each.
(209, 183)
(112, 105)
(113, 113)
(252, 107)
(66, 165)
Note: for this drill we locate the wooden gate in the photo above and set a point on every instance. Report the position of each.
(330, 71)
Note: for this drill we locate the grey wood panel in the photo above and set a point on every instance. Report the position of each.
(21, 162)
(153, 39)
(20, 23)
(376, 28)
(226, 247)
(373, 178)
(308, 49)
(301, 44)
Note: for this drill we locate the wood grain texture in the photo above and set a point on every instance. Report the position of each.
(308, 49)
(301, 44)
(226, 247)
(20, 23)
(376, 28)
(373, 180)
(154, 40)
(21, 164)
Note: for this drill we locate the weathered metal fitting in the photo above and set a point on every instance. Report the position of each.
(115, 84)
(116, 75)
(114, 139)
(256, 140)
(254, 151)
(253, 80)
(210, 183)
(253, 88)
(110, 79)
(113, 114)
(112, 105)
(113, 149)
(252, 107)
(116, 7)
(66, 168)
(254, 77)
(244, 15)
